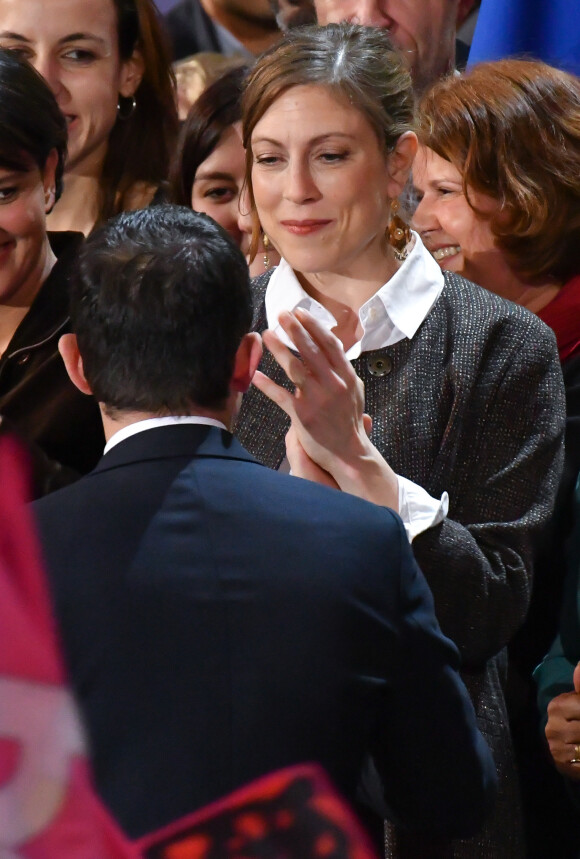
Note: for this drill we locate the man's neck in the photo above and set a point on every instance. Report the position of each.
(115, 421)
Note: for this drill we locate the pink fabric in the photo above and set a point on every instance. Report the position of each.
(295, 812)
(48, 807)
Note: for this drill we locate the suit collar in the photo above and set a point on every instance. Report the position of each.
(178, 440)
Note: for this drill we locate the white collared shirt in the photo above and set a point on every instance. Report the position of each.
(152, 423)
(394, 312)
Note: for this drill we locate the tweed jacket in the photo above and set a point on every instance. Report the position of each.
(473, 404)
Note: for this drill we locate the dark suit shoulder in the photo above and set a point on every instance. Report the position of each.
(282, 499)
(190, 29)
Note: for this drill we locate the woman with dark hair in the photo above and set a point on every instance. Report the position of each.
(108, 67)
(463, 388)
(208, 172)
(61, 427)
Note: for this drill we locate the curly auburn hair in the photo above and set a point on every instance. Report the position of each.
(512, 129)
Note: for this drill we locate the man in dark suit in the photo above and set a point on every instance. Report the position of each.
(227, 27)
(221, 620)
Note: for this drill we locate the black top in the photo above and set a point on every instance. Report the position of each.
(61, 427)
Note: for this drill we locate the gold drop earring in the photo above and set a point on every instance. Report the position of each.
(398, 233)
(266, 246)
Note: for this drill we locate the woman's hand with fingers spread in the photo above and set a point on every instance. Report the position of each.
(327, 408)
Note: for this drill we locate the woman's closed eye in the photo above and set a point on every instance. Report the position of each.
(333, 157)
(267, 160)
(444, 190)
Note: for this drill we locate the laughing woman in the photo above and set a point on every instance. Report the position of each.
(464, 389)
(60, 426)
(499, 179)
(498, 175)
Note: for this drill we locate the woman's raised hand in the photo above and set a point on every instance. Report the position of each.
(327, 410)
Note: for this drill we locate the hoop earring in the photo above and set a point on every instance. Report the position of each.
(398, 233)
(266, 245)
(124, 113)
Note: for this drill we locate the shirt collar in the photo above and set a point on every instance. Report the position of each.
(152, 423)
(396, 311)
(412, 291)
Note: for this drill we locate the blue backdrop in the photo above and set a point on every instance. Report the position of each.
(548, 30)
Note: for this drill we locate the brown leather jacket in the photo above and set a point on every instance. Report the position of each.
(61, 427)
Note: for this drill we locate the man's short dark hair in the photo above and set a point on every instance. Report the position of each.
(160, 301)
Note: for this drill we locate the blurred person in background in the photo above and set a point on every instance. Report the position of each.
(208, 170)
(498, 178)
(108, 67)
(245, 27)
(59, 425)
(423, 30)
(194, 72)
(558, 680)
(293, 13)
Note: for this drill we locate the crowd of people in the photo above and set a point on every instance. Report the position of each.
(402, 236)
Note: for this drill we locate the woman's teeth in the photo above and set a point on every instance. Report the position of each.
(450, 251)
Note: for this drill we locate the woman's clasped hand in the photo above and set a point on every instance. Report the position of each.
(328, 440)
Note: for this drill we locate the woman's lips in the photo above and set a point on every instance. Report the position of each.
(306, 227)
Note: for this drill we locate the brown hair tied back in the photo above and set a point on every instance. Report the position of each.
(357, 64)
(512, 129)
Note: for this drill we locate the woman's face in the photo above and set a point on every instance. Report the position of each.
(460, 239)
(321, 183)
(73, 44)
(218, 190)
(218, 185)
(25, 198)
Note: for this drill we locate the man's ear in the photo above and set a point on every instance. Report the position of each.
(69, 352)
(248, 357)
(132, 72)
(400, 161)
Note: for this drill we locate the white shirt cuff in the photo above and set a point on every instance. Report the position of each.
(419, 510)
